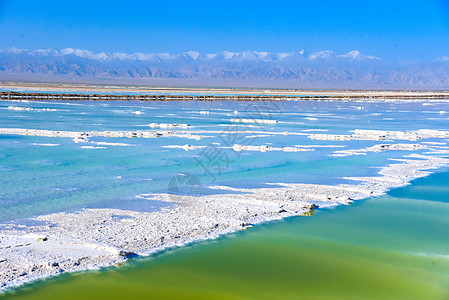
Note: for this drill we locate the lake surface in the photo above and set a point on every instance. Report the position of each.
(388, 247)
(392, 246)
(40, 175)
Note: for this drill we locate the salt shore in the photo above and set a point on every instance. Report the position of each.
(94, 238)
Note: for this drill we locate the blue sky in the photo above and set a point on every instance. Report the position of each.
(394, 30)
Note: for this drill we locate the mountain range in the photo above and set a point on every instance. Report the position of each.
(302, 69)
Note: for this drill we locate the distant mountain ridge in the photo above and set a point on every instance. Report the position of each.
(302, 69)
(191, 55)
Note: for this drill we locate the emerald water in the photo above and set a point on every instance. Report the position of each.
(389, 247)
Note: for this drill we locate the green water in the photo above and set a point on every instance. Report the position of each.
(390, 247)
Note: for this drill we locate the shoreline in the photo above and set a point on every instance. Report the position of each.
(71, 242)
(51, 96)
(66, 91)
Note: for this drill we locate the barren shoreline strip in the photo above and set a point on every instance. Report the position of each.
(145, 89)
(10, 95)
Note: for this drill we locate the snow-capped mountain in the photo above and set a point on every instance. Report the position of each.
(189, 55)
(301, 69)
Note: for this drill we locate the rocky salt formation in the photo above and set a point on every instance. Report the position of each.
(379, 135)
(30, 256)
(114, 144)
(163, 125)
(83, 137)
(185, 147)
(266, 148)
(238, 148)
(260, 148)
(20, 108)
(379, 148)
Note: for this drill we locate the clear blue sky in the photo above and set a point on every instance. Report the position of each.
(393, 30)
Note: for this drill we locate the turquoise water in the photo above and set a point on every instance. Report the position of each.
(36, 178)
(394, 246)
(388, 247)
